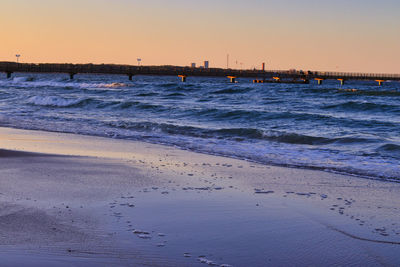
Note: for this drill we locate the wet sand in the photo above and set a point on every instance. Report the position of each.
(87, 201)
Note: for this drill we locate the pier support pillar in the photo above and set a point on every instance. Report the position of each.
(130, 76)
(71, 76)
(9, 73)
(319, 80)
(232, 79)
(341, 81)
(183, 78)
(380, 82)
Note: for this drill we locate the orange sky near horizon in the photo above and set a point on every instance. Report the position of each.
(353, 35)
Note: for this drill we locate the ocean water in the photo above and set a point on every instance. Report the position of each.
(352, 129)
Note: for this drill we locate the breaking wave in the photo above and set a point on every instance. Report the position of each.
(56, 101)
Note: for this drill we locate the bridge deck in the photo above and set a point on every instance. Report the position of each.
(72, 69)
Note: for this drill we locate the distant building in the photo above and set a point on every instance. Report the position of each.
(206, 64)
(193, 65)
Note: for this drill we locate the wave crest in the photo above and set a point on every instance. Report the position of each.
(55, 101)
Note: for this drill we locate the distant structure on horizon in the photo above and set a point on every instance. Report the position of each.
(205, 65)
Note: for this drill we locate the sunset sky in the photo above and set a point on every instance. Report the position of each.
(340, 35)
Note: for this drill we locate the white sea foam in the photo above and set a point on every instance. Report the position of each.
(113, 85)
(31, 82)
(20, 79)
(53, 101)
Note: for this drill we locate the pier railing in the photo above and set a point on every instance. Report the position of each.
(357, 75)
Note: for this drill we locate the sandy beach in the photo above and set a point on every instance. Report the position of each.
(71, 200)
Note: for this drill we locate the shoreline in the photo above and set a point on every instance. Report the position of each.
(286, 165)
(97, 191)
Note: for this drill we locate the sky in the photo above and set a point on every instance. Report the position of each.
(339, 35)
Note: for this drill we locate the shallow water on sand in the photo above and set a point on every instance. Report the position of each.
(200, 228)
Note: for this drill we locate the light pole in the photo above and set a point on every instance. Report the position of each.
(17, 56)
(138, 61)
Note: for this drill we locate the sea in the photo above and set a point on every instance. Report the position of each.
(352, 129)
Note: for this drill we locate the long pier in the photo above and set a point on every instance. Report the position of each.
(260, 76)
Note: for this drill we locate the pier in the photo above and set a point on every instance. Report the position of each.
(232, 75)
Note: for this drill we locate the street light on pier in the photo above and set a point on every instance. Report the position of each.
(17, 56)
(138, 61)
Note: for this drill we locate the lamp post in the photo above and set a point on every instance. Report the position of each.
(17, 56)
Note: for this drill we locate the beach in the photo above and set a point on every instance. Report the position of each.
(75, 200)
(199, 133)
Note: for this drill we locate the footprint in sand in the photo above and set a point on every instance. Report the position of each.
(262, 191)
(136, 231)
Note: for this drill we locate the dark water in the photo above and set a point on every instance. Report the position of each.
(352, 129)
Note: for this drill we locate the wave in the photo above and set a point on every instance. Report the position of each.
(4, 93)
(389, 150)
(35, 82)
(170, 85)
(175, 94)
(362, 106)
(139, 105)
(390, 147)
(265, 116)
(288, 138)
(233, 91)
(294, 138)
(228, 114)
(23, 79)
(238, 134)
(370, 92)
(113, 85)
(56, 101)
(147, 94)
